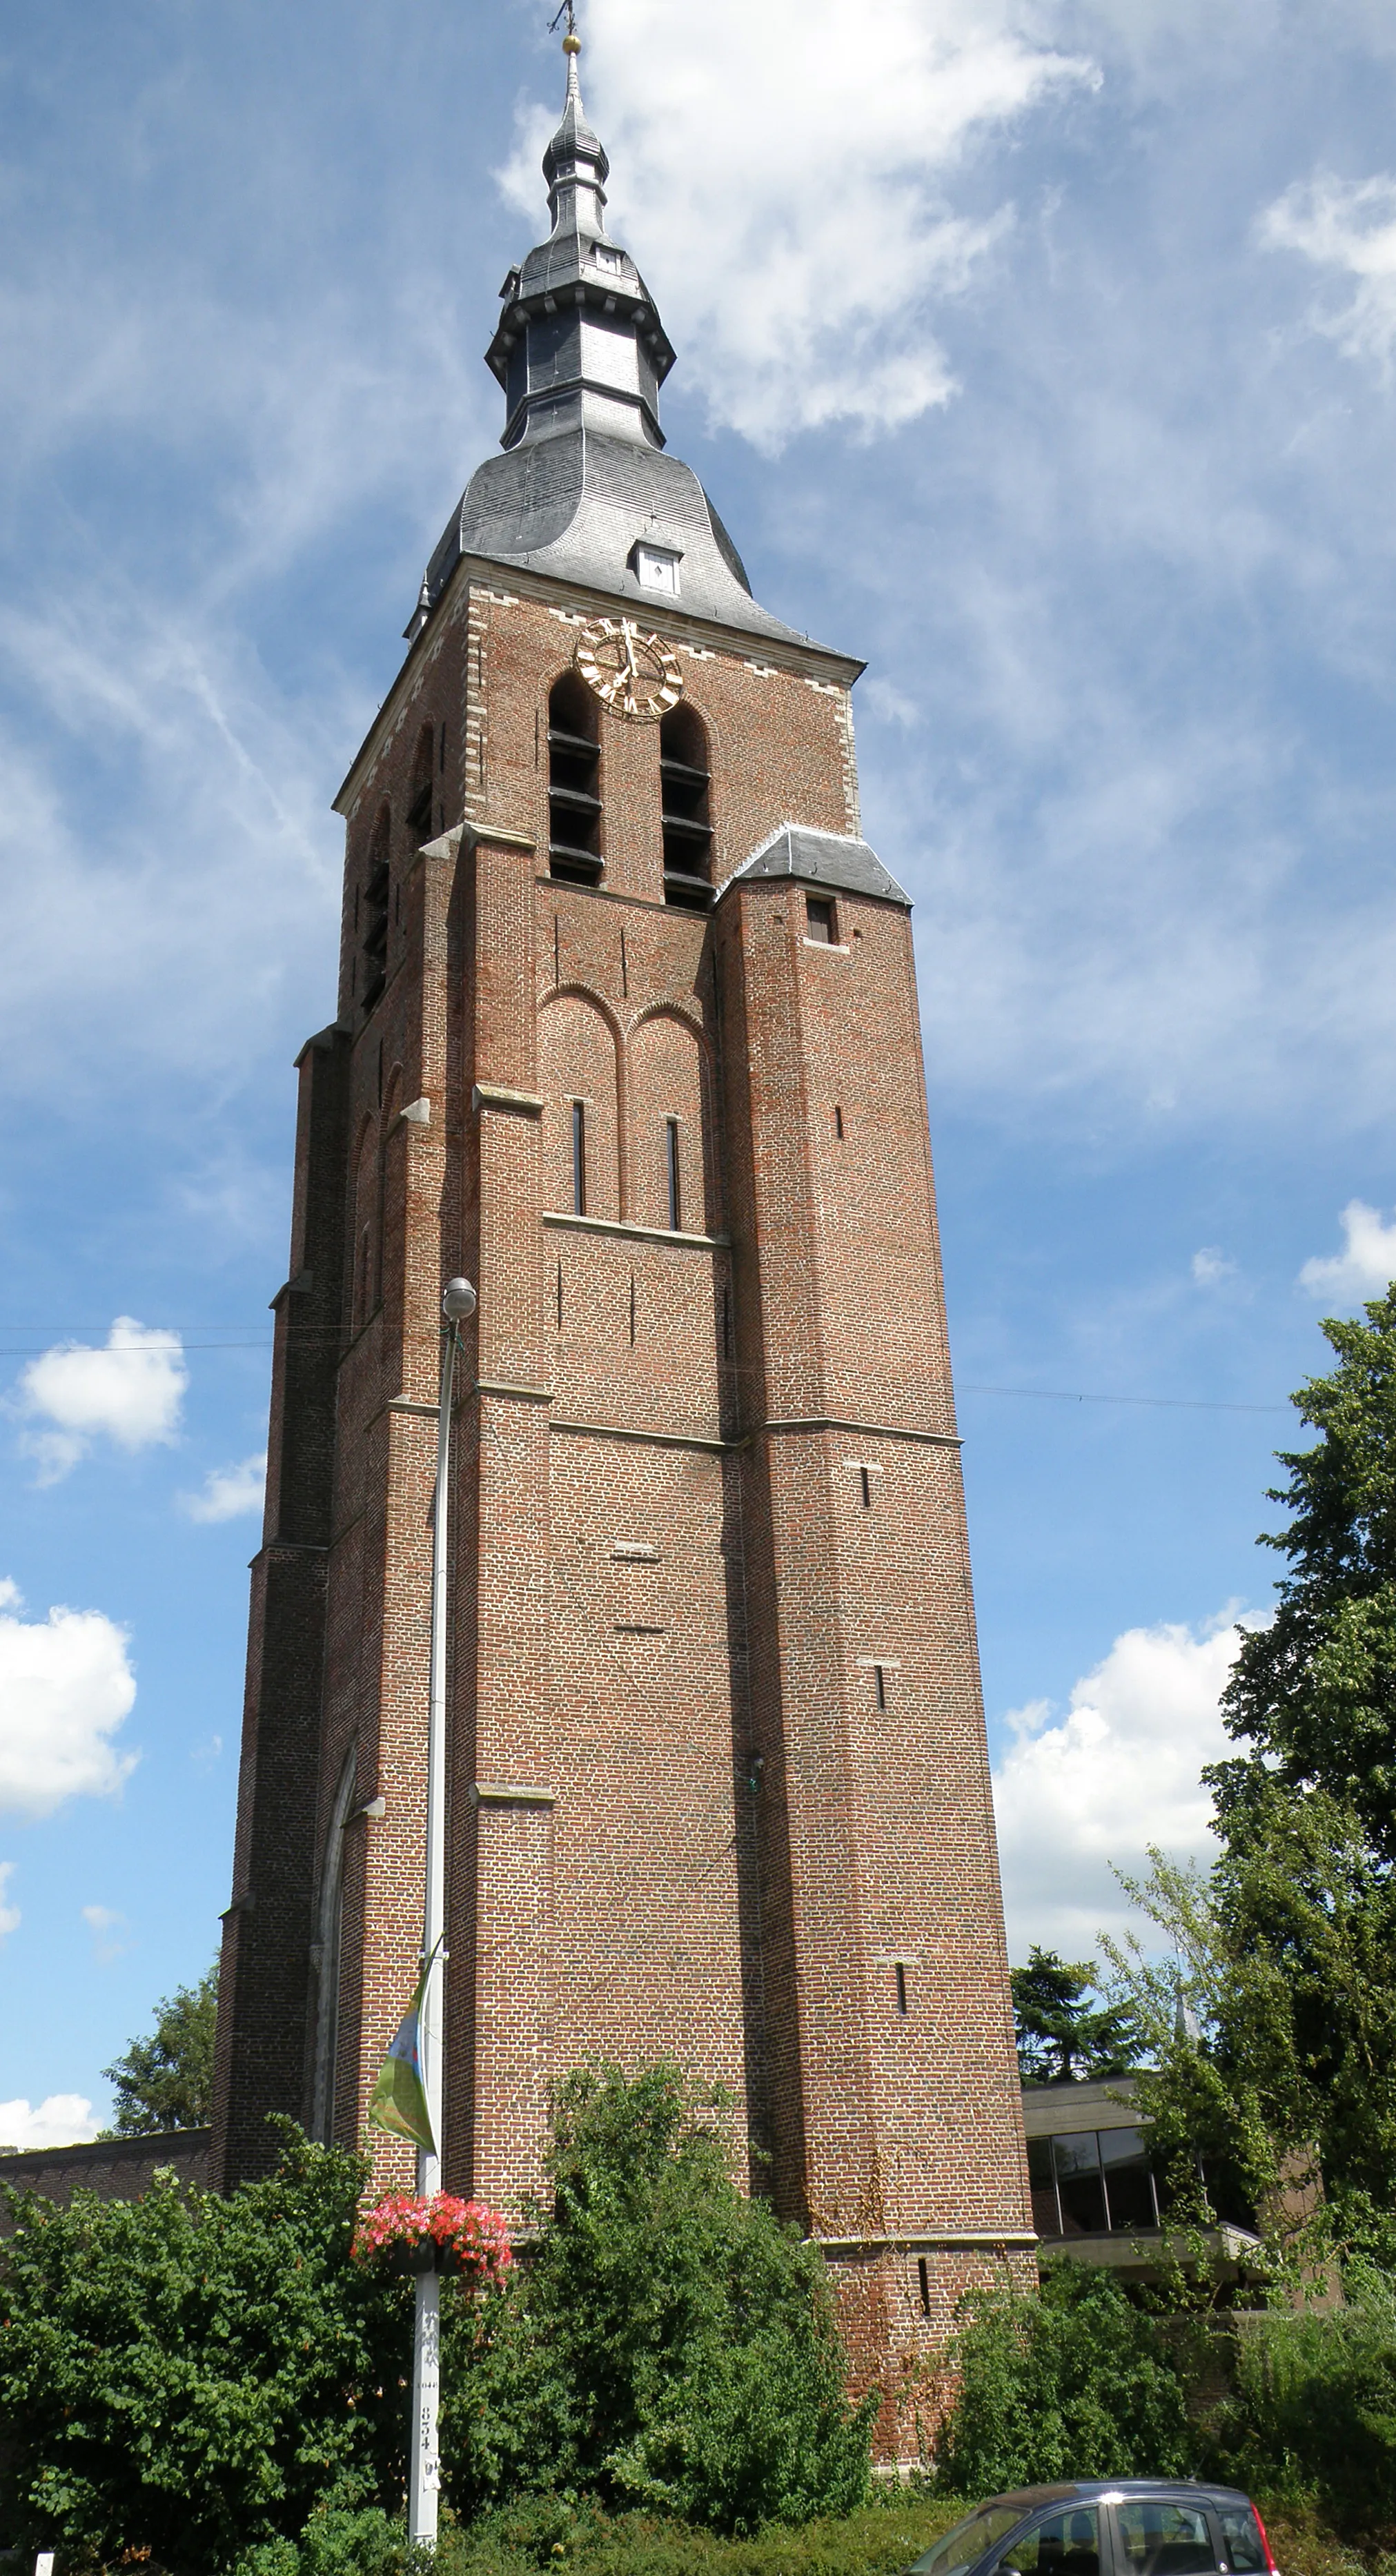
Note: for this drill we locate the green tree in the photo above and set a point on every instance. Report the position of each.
(189, 2377)
(1313, 1693)
(668, 2343)
(1063, 2038)
(166, 2081)
(1271, 2020)
(1074, 2383)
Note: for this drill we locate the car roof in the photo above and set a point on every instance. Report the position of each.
(1087, 2490)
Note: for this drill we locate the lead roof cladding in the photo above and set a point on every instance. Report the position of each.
(581, 355)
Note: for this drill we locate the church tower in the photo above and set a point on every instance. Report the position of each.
(627, 1032)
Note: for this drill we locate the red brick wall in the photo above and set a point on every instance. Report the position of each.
(679, 1821)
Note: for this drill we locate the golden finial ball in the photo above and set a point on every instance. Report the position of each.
(571, 44)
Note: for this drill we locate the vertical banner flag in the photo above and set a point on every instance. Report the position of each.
(399, 2102)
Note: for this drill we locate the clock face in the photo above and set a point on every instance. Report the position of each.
(632, 674)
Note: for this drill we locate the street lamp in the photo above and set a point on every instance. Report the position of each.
(424, 2467)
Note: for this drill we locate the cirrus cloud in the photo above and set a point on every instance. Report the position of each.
(1349, 228)
(813, 156)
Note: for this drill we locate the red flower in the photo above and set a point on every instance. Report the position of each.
(475, 2237)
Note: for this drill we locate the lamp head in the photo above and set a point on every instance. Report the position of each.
(457, 1300)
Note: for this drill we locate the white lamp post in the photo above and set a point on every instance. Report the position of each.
(424, 2467)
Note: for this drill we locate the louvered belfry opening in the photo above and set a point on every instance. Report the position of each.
(375, 912)
(688, 839)
(574, 776)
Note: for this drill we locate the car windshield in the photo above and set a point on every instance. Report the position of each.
(969, 2540)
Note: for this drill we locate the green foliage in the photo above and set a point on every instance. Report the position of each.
(1062, 2038)
(166, 2081)
(547, 2537)
(1074, 2383)
(191, 2377)
(1271, 2021)
(668, 2343)
(1313, 2414)
(337, 2542)
(1314, 1692)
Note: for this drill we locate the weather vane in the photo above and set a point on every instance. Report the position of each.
(571, 42)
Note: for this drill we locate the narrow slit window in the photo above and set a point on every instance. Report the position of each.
(579, 1159)
(727, 1323)
(901, 1990)
(632, 1310)
(671, 1161)
(880, 1685)
(559, 1296)
(838, 1123)
(865, 1481)
(924, 2279)
(820, 923)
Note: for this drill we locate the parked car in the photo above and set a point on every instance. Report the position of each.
(1107, 2527)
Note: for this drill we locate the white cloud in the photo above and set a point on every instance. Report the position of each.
(131, 1392)
(60, 2120)
(9, 1914)
(1077, 1794)
(1210, 1266)
(228, 1492)
(1366, 1265)
(106, 1928)
(812, 152)
(1348, 226)
(66, 1685)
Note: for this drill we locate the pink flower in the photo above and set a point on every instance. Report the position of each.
(476, 2237)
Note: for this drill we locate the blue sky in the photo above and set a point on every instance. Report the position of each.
(1043, 354)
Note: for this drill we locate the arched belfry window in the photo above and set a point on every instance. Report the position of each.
(419, 811)
(574, 779)
(373, 921)
(688, 839)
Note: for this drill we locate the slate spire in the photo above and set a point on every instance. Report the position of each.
(579, 343)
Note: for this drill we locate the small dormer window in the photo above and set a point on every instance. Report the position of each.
(603, 256)
(656, 568)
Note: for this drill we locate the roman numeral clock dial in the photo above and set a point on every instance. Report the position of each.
(631, 673)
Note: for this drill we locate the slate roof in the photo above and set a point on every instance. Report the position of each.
(833, 859)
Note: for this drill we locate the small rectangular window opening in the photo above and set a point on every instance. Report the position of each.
(880, 1685)
(924, 2278)
(901, 1990)
(559, 1296)
(632, 1310)
(441, 762)
(819, 918)
(671, 1153)
(579, 1159)
(865, 1481)
(838, 1123)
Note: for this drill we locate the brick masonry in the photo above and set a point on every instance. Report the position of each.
(718, 1781)
(113, 2168)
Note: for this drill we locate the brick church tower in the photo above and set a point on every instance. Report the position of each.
(627, 1032)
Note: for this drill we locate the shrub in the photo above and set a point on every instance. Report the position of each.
(1076, 2382)
(669, 2343)
(186, 2377)
(1313, 2413)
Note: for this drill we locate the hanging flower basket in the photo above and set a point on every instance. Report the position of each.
(402, 2234)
